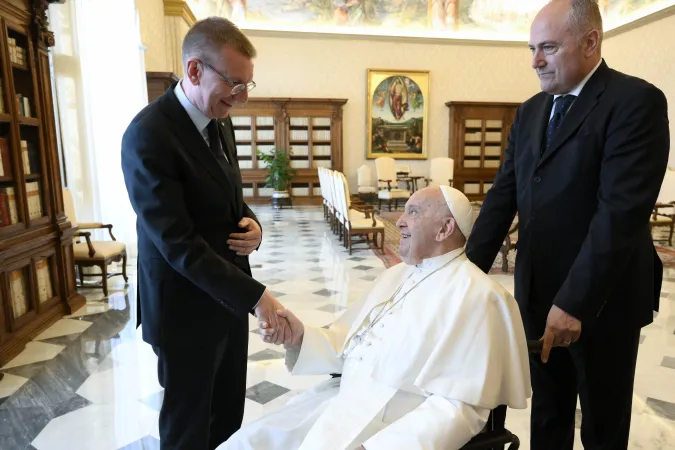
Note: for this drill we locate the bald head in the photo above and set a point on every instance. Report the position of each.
(436, 221)
(565, 40)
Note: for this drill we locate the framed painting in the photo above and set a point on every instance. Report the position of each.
(397, 112)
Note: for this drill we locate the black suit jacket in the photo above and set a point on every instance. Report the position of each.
(186, 205)
(583, 206)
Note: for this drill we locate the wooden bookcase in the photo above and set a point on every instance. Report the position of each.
(478, 137)
(310, 128)
(37, 279)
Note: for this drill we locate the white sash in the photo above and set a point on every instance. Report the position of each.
(348, 415)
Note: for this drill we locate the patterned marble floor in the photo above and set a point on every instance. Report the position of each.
(90, 383)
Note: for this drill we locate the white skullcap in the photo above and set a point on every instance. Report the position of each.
(460, 207)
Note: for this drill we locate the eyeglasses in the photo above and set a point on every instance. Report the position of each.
(237, 88)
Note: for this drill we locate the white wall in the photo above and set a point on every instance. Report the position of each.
(336, 68)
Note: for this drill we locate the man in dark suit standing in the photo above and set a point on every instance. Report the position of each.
(194, 236)
(583, 168)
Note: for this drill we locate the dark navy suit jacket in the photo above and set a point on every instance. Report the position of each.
(583, 206)
(187, 205)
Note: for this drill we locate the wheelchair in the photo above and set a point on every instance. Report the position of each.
(495, 436)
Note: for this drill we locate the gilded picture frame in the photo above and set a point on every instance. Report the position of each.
(397, 111)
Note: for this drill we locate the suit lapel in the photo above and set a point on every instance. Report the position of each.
(582, 106)
(192, 139)
(540, 130)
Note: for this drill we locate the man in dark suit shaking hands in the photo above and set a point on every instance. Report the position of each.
(194, 236)
(583, 168)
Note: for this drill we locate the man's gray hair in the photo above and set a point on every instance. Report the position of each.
(208, 36)
(584, 16)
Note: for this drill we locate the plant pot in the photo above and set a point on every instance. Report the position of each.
(281, 199)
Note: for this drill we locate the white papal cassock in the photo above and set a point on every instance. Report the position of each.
(425, 376)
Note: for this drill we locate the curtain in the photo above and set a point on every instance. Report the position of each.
(100, 85)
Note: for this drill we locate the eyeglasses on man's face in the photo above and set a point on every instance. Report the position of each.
(237, 88)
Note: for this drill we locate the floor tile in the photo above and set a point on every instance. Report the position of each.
(147, 443)
(34, 352)
(63, 327)
(266, 355)
(662, 408)
(265, 392)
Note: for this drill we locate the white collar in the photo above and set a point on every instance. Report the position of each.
(577, 90)
(198, 117)
(438, 261)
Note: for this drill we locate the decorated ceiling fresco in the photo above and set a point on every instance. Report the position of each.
(482, 19)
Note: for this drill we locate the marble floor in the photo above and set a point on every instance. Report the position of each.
(89, 382)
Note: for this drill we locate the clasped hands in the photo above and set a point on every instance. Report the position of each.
(276, 324)
(562, 330)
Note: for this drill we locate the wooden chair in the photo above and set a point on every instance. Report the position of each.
(357, 222)
(94, 253)
(662, 216)
(386, 176)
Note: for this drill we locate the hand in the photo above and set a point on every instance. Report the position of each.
(273, 329)
(245, 243)
(297, 329)
(561, 331)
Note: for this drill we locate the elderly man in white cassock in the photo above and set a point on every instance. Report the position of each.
(423, 358)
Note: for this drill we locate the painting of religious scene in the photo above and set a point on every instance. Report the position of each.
(483, 19)
(397, 114)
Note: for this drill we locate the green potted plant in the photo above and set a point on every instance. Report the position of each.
(279, 174)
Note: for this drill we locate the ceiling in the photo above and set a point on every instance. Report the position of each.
(501, 20)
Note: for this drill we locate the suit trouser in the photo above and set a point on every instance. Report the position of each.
(204, 389)
(600, 368)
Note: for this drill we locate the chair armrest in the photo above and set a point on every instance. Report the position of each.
(87, 236)
(388, 183)
(96, 226)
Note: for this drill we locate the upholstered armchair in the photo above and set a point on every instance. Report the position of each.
(94, 253)
(386, 177)
(365, 182)
(440, 171)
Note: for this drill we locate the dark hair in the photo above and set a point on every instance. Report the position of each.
(208, 36)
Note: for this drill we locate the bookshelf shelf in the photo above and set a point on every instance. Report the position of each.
(29, 121)
(37, 272)
(310, 128)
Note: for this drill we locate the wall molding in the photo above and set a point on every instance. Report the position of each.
(179, 8)
(637, 23)
(641, 22)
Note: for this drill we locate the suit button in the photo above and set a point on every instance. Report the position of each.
(537, 179)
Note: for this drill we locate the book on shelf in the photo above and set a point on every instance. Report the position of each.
(5, 161)
(34, 200)
(17, 288)
(321, 135)
(30, 157)
(23, 105)
(8, 211)
(17, 54)
(241, 121)
(299, 121)
(44, 279)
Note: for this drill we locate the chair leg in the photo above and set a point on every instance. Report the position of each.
(670, 237)
(104, 281)
(124, 267)
(389, 204)
(80, 273)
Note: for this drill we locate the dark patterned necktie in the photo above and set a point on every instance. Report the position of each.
(560, 107)
(215, 144)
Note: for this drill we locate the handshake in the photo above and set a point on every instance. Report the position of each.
(276, 324)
